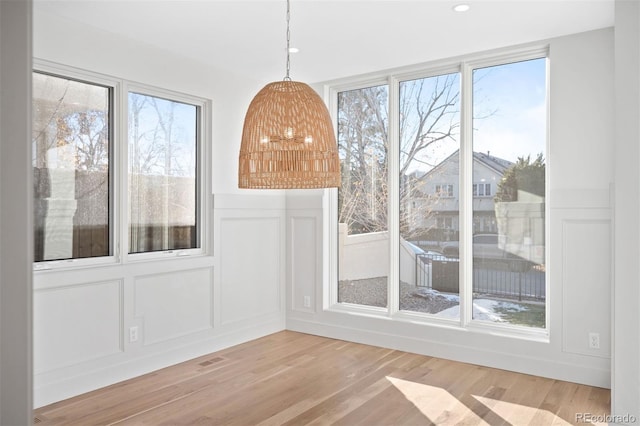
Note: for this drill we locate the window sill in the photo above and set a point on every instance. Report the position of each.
(69, 265)
(422, 319)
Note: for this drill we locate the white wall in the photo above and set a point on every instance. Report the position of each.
(16, 249)
(362, 256)
(580, 162)
(183, 307)
(248, 225)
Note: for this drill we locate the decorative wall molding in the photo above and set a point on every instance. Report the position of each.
(173, 305)
(251, 265)
(86, 325)
(273, 200)
(303, 268)
(184, 307)
(583, 198)
(586, 283)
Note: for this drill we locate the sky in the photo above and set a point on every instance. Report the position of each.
(509, 110)
(515, 94)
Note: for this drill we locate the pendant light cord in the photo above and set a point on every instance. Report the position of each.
(287, 78)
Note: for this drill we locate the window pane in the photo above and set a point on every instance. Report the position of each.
(429, 193)
(363, 249)
(509, 142)
(71, 121)
(162, 174)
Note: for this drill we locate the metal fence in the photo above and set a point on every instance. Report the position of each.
(510, 278)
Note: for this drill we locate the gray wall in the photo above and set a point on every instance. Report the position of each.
(15, 216)
(626, 300)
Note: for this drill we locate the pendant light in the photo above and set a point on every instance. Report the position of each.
(288, 139)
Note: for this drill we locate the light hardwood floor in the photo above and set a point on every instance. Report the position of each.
(297, 379)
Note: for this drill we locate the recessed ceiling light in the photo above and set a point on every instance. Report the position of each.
(293, 50)
(461, 7)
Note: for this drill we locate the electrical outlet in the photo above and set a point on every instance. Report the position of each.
(594, 340)
(307, 302)
(133, 334)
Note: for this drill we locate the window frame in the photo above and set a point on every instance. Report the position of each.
(201, 171)
(330, 206)
(485, 192)
(118, 169)
(465, 66)
(114, 86)
(444, 190)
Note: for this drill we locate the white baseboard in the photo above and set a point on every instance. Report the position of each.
(86, 381)
(527, 365)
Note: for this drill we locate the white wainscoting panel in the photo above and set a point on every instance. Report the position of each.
(77, 323)
(303, 267)
(250, 259)
(174, 304)
(586, 281)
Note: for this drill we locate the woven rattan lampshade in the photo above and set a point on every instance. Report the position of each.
(288, 140)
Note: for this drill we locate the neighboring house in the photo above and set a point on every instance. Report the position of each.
(433, 208)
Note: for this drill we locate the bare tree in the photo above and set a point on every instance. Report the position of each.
(71, 143)
(157, 143)
(161, 172)
(59, 122)
(363, 136)
(88, 131)
(429, 118)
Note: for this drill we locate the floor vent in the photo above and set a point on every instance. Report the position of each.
(212, 361)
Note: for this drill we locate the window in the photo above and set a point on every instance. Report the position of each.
(444, 190)
(445, 222)
(83, 184)
(486, 238)
(481, 189)
(426, 141)
(72, 141)
(362, 198)
(515, 255)
(162, 174)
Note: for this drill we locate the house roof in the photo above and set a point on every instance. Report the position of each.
(500, 165)
(497, 164)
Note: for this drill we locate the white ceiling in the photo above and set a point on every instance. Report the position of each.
(335, 38)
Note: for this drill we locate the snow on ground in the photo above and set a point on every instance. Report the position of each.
(484, 309)
(431, 293)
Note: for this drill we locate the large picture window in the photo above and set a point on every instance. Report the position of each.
(509, 144)
(362, 198)
(468, 184)
(106, 188)
(429, 147)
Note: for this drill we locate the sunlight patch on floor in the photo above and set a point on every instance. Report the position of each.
(436, 404)
(518, 414)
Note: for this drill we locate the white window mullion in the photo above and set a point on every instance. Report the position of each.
(330, 223)
(122, 173)
(394, 198)
(466, 195)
